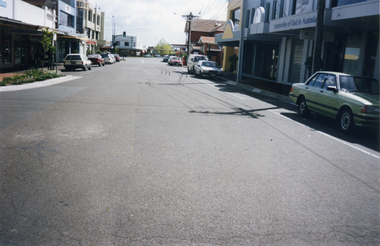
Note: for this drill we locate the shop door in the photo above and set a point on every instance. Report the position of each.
(296, 61)
(270, 61)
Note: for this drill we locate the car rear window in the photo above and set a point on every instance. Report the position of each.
(74, 58)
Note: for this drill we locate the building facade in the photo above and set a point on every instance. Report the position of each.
(202, 38)
(278, 37)
(20, 32)
(128, 45)
(79, 26)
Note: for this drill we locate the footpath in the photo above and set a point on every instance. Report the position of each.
(265, 87)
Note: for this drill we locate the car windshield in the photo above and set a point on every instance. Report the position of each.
(359, 84)
(209, 64)
(105, 55)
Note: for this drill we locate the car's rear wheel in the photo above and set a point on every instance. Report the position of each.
(346, 120)
(303, 110)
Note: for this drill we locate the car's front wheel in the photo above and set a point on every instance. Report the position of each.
(303, 110)
(346, 120)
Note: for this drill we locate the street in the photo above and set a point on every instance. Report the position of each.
(142, 153)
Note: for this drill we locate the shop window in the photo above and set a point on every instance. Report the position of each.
(253, 15)
(281, 10)
(236, 18)
(300, 6)
(352, 54)
(267, 9)
(246, 24)
(337, 3)
(6, 48)
(274, 11)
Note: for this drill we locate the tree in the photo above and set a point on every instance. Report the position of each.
(47, 45)
(163, 47)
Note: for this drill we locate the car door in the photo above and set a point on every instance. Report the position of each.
(312, 90)
(328, 98)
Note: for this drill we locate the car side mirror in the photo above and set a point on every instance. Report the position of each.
(332, 88)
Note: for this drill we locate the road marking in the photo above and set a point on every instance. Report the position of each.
(329, 136)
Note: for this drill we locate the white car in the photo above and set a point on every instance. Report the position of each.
(108, 58)
(208, 69)
(192, 60)
(74, 61)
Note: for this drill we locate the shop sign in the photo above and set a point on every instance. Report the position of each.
(310, 35)
(294, 22)
(6, 8)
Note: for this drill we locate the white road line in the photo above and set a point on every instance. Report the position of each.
(329, 136)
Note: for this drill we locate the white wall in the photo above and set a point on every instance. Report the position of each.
(27, 13)
(6, 8)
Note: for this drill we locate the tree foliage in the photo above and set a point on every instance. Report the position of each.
(47, 45)
(163, 47)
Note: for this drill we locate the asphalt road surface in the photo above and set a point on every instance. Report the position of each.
(141, 153)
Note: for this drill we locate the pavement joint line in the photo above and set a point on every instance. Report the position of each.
(39, 84)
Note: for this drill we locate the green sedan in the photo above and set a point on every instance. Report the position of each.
(352, 100)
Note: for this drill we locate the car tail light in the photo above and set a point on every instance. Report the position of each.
(291, 89)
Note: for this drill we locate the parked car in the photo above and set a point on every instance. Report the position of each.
(117, 57)
(96, 59)
(165, 58)
(209, 69)
(175, 61)
(108, 58)
(351, 100)
(74, 61)
(148, 55)
(192, 60)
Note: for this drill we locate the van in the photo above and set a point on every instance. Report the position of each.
(193, 60)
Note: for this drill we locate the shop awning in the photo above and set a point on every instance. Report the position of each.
(91, 42)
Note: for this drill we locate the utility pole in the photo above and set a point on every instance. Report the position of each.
(241, 43)
(113, 32)
(189, 19)
(316, 64)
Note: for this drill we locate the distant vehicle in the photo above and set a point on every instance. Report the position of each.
(114, 59)
(208, 69)
(74, 61)
(157, 55)
(192, 60)
(165, 58)
(148, 55)
(175, 61)
(117, 57)
(108, 58)
(96, 59)
(351, 100)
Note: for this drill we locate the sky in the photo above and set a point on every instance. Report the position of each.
(153, 20)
